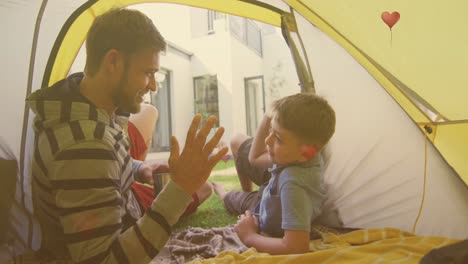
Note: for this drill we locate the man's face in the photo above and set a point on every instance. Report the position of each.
(137, 78)
(282, 145)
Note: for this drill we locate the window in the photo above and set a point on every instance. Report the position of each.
(206, 96)
(254, 103)
(254, 37)
(203, 21)
(211, 18)
(247, 32)
(237, 26)
(162, 101)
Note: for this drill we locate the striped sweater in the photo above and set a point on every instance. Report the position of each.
(82, 173)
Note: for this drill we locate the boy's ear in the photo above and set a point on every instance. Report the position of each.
(309, 151)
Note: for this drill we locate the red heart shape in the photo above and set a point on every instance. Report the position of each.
(390, 18)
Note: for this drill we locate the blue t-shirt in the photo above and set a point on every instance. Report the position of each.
(293, 197)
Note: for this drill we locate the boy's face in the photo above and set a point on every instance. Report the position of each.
(282, 145)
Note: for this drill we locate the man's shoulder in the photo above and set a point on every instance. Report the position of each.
(83, 134)
(64, 89)
(88, 130)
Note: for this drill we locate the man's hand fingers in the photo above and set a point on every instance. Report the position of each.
(206, 128)
(217, 157)
(174, 156)
(213, 141)
(192, 132)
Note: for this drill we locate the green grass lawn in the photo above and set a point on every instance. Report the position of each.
(212, 212)
(224, 165)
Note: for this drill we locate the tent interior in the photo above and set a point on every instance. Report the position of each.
(398, 86)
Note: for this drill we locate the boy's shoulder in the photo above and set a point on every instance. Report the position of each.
(301, 174)
(304, 167)
(296, 171)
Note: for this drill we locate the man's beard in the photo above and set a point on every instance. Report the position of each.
(125, 102)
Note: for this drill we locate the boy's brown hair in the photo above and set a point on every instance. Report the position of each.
(306, 115)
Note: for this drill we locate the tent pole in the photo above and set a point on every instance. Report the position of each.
(26, 114)
(288, 25)
(309, 70)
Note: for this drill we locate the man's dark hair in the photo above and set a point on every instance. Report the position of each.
(125, 30)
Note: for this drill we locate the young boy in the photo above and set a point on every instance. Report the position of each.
(291, 192)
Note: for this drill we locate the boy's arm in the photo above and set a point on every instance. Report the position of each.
(293, 242)
(258, 156)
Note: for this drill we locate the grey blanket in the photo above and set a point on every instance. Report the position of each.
(199, 243)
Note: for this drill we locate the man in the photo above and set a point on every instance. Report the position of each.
(82, 171)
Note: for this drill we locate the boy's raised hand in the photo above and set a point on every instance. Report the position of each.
(191, 168)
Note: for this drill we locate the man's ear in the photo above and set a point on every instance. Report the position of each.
(309, 151)
(113, 60)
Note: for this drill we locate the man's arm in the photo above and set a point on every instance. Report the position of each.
(90, 201)
(88, 194)
(258, 155)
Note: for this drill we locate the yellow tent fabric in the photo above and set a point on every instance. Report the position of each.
(426, 51)
(386, 245)
(76, 35)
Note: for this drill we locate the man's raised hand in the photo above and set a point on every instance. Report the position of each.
(191, 168)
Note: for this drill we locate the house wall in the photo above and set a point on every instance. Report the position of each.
(181, 92)
(245, 63)
(223, 55)
(219, 53)
(172, 20)
(213, 57)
